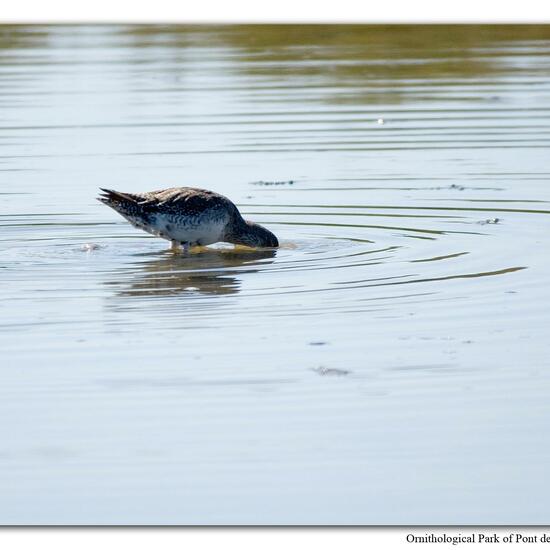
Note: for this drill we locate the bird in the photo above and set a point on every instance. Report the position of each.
(188, 216)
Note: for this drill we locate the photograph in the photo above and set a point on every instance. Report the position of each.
(275, 274)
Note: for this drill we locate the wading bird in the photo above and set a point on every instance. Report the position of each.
(188, 217)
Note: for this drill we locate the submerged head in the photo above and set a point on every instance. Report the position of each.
(253, 234)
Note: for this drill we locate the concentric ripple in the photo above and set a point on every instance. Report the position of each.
(343, 257)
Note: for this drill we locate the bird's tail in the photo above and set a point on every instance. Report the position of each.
(125, 204)
(110, 196)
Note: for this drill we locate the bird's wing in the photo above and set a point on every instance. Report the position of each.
(188, 199)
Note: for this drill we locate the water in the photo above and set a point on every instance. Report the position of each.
(387, 365)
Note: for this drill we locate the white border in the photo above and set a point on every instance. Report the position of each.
(286, 11)
(204, 538)
(258, 538)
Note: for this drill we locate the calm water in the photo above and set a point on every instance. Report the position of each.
(387, 365)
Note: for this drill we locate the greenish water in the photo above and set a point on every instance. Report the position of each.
(387, 365)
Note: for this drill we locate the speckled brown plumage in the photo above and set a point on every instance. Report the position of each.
(188, 216)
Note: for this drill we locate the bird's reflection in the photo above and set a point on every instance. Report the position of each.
(204, 271)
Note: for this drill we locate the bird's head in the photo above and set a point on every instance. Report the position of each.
(257, 236)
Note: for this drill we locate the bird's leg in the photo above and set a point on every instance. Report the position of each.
(185, 248)
(175, 246)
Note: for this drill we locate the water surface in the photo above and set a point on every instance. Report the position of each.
(387, 365)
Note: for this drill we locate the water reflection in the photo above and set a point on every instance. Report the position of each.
(204, 272)
(359, 64)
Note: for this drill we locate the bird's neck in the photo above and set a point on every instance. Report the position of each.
(241, 232)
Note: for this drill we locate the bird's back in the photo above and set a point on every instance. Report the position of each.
(183, 200)
(184, 214)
